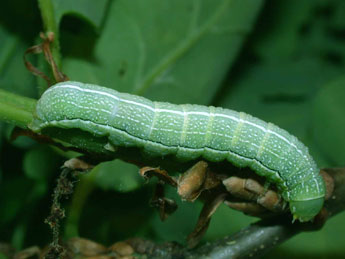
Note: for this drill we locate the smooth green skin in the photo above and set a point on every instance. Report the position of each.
(119, 121)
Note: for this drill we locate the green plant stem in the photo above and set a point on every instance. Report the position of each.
(16, 109)
(49, 23)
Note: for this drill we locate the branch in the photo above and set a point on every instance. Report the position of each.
(49, 23)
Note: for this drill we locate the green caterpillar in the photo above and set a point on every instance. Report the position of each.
(119, 121)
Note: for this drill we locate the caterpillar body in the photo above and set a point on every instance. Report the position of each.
(187, 132)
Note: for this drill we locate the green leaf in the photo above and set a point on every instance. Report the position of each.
(176, 51)
(329, 121)
(301, 28)
(117, 175)
(281, 40)
(40, 163)
(90, 10)
(279, 92)
(12, 70)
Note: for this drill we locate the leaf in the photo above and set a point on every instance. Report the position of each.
(281, 40)
(12, 70)
(329, 121)
(118, 176)
(301, 29)
(41, 163)
(279, 93)
(176, 51)
(91, 11)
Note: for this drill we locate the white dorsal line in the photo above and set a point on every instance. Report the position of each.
(175, 112)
